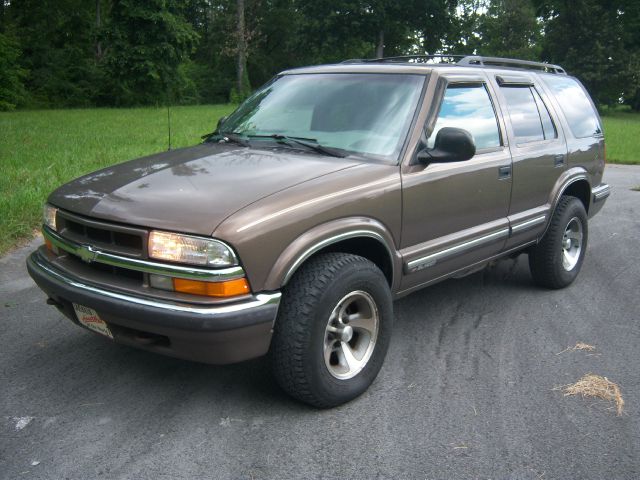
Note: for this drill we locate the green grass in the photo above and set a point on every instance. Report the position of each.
(622, 133)
(40, 150)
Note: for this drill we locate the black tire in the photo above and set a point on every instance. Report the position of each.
(554, 263)
(301, 332)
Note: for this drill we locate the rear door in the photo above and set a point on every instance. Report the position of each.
(455, 214)
(538, 149)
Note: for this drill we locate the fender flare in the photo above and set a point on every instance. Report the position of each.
(326, 234)
(567, 178)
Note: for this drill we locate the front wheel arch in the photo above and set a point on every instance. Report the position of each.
(362, 236)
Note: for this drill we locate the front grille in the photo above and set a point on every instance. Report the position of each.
(106, 237)
(104, 273)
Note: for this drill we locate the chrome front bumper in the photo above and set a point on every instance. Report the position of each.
(225, 333)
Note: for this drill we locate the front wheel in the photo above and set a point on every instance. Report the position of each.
(556, 261)
(333, 329)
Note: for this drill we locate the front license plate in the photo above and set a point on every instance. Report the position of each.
(90, 319)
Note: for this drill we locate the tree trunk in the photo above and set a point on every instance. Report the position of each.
(242, 48)
(380, 46)
(98, 25)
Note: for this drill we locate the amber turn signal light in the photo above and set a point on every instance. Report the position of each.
(229, 288)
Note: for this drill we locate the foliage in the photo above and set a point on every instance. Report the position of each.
(147, 42)
(591, 40)
(12, 90)
(146, 52)
(511, 29)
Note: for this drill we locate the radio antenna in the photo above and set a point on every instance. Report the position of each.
(169, 124)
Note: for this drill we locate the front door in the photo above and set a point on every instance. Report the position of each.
(455, 214)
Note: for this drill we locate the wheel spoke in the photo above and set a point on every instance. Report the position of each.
(351, 362)
(341, 314)
(328, 350)
(360, 322)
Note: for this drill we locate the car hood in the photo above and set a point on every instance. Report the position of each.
(190, 190)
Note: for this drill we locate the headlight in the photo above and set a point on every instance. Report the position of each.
(49, 216)
(187, 249)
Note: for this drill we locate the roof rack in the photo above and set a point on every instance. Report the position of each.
(477, 60)
(408, 59)
(465, 60)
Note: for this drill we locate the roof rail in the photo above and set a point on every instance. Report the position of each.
(408, 59)
(477, 60)
(465, 60)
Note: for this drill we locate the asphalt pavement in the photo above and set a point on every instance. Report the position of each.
(468, 390)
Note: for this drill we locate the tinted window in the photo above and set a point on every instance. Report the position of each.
(523, 111)
(548, 127)
(577, 108)
(469, 107)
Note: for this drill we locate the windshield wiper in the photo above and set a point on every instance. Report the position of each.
(310, 143)
(226, 137)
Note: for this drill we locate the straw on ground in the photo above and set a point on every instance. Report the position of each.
(592, 385)
(579, 346)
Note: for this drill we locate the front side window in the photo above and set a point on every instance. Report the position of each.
(469, 107)
(578, 110)
(366, 114)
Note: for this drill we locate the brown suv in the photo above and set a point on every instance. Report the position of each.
(330, 192)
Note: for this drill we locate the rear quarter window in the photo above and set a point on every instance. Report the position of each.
(578, 110)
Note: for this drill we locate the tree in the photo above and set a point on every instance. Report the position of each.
(242, 82)
(147, 41)
(57, 43)
(12, 92)
(588, 38)
(511, 29)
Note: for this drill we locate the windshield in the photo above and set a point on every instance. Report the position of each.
(366, 114)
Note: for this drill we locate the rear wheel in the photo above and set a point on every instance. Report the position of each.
(556, 261)
(333, 329)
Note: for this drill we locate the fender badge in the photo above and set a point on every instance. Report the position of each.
(87, 253)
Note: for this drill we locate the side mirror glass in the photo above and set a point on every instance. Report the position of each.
(451, 145)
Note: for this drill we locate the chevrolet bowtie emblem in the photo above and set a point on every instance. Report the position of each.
(87, 253)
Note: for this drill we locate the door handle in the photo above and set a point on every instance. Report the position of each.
(558, 160)
(504, 172)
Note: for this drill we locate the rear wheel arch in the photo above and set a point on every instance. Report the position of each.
(580, 189)
(572, 183)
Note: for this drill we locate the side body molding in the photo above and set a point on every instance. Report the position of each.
(331, 233)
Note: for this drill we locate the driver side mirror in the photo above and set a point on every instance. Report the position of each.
(451, 145)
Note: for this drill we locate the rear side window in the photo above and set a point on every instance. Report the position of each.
(529, 115)
(548, 127)
(469, 107)
(578, 110)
